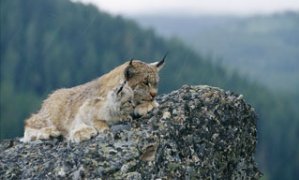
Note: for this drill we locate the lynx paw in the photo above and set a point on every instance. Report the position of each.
(143, 109)
(82, 134)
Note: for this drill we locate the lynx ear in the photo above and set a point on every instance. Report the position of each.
(161, 63)
(129, 71)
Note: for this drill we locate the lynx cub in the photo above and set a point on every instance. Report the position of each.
(80, 112)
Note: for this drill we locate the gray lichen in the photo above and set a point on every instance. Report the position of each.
(198, 132)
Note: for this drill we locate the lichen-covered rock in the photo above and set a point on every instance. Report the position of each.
(198, 132)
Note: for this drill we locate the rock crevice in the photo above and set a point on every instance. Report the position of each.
(197, 132)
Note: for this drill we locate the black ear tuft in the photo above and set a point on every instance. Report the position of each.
(163, 60)
(131, 62)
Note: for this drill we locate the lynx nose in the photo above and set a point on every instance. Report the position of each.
(153, 94)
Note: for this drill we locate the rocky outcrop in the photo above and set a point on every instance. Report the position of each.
(198, 132)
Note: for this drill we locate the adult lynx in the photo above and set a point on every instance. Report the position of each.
(81, 112)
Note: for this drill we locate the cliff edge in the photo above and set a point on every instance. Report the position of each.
(198, 132)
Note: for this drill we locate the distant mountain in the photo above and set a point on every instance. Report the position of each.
(264, 47)
(50, 44)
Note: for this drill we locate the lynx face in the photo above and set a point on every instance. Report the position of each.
(143, 79)
(146, 91)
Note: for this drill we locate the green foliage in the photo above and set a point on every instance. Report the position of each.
(15, 106)
(52, 44)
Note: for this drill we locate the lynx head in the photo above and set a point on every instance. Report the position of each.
(143, 78)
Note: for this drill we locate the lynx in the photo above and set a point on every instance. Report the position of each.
(81, 112)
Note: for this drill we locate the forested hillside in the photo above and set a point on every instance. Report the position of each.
(264, 47)
(52, 44)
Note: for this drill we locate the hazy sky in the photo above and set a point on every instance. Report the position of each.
(193, 7)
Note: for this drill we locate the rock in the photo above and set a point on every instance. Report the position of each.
(198, 132)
